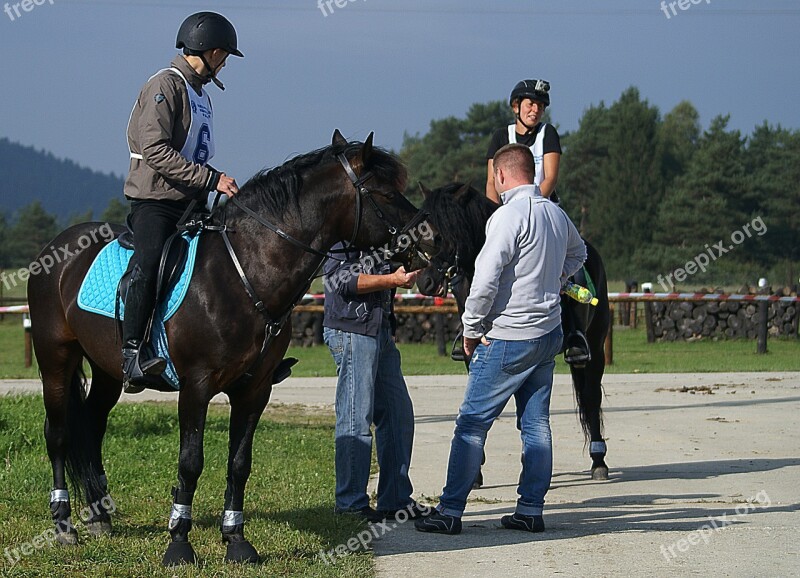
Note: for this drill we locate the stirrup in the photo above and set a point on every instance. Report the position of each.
(577, 354)
(136, 375)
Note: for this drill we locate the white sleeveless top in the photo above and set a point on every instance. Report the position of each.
(537, 148)
(199, 145)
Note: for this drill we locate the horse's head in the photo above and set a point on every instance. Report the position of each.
(459, 212)
(348, 191)
(380, 216)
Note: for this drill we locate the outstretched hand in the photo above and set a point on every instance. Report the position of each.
(404, 279)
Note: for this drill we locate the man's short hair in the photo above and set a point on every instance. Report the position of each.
(515, 159)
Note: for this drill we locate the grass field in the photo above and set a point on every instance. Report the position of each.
(288, 505)
(632, 354)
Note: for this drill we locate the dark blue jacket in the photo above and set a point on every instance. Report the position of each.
(345, 309)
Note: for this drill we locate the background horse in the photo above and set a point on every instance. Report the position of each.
(238, 299)
(459, 213)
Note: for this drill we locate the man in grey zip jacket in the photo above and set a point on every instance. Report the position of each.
(512, 331)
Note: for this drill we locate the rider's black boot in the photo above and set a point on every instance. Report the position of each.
(139, 366)
(576, 346)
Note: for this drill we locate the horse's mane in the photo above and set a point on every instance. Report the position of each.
(461, 221)
(276, 190)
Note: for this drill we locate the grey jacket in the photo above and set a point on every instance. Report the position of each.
(531, 248)
(157, 130)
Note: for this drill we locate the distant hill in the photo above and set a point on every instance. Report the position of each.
(63, 187)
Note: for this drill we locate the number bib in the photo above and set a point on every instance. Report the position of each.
(199, 145)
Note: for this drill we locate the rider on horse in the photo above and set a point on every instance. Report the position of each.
(171, 140)
(529, 99)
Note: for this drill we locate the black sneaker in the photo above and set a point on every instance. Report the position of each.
(439, 523)
(413, 511)
(366, 513)
(521, 522)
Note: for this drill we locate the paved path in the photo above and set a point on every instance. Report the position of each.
(686, 454)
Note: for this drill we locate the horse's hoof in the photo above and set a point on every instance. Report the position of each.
(179, 553)
(67, 538)
(600, 473)
(99, 528)
(242, 552)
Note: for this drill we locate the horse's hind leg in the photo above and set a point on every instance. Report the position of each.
(588, 387)
(59, 369)
(103, 395)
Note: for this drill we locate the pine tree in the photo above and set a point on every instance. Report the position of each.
(629, 186)
(703, 208)
(115, 212)
(32, 232)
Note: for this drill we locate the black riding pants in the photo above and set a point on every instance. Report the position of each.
(152, 222)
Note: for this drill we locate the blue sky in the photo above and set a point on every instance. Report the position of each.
(72, 69)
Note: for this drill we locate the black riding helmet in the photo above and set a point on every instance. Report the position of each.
(205, 31)
(537, 90)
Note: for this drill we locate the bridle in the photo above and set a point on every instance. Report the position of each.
(452, 275)
(363, 192)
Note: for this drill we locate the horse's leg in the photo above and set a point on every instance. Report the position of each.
(59, 370)
(247, 405)
(103, 396)
(590, 399)
(192, 411)
(589, 393)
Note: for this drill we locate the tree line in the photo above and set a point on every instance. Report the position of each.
(651, 192)
(34, 228)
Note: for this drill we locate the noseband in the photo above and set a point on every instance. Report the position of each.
(452, 275)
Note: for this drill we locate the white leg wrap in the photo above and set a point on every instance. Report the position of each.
(179, 511)
(597, 448)
(232, 518)
(59, 496)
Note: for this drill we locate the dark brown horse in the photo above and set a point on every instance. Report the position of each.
(347, 191)
(459, 213)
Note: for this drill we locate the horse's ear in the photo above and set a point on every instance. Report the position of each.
(462, 194)
(338, 139)
(366, 150)
(426, 192)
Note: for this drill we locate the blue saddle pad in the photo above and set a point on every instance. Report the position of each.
(99, 291)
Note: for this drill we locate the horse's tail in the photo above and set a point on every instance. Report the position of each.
(82, 442)
(588, 399)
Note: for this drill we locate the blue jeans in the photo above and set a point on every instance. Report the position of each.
(371, 389)
(523, 369)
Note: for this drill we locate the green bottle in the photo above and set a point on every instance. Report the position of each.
(578, 293)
